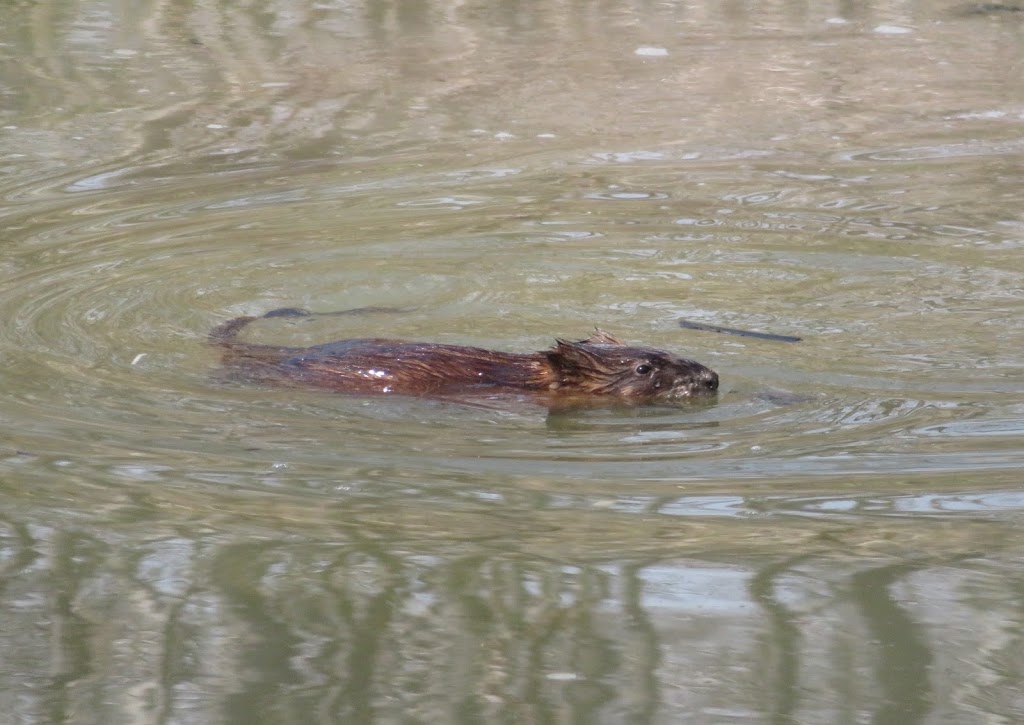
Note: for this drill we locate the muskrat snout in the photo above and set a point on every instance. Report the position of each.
(693, 379)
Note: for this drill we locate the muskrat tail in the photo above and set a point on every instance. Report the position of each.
(225, 333)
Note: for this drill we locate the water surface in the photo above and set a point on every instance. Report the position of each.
(836, 539)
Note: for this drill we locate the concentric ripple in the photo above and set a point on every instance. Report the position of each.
(118, 275)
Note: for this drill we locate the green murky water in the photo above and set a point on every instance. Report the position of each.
(837, 539)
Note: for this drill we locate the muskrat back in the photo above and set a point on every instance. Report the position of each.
(598, 368)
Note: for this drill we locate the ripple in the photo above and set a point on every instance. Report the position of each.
(756, 197)
(626, 195)
(444, 202)
(938, 151)
(113, 288)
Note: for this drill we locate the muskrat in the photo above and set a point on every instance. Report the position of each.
(598, 369)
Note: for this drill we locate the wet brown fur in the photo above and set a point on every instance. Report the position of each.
(599, 367)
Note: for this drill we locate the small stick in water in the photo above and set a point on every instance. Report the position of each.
(689, 325)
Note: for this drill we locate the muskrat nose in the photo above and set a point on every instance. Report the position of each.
(710, 380)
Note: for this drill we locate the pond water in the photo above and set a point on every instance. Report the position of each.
(837, 538)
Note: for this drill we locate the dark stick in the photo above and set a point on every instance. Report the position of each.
(299, 312)
(734, 331)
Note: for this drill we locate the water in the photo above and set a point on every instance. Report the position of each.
(837, 539)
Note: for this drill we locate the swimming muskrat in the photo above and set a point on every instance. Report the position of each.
(597, 369)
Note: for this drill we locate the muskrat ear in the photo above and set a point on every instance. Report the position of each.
(572, 358)
(600, 337)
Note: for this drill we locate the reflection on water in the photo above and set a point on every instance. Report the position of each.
(357, 617)
(835, 539)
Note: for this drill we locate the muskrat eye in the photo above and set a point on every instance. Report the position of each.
(644, 369)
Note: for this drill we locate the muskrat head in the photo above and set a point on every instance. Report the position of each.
(603, 365)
